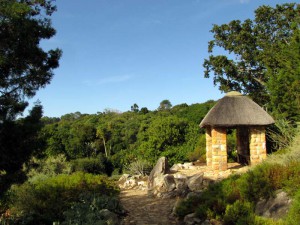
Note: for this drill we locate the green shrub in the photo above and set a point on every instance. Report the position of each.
(240, 213)
(230, 190)
(198, 154)
(139, 167)
(45, 200)
(258, 220)
(51, 166)
(231, 146)
(256, 183)
(293, 216)
(99, 165)
(87, 209)
(187, 206)
(282, 134)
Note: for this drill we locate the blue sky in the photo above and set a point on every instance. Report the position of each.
(120, 52)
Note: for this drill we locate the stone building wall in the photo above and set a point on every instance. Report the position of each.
(258, 150)
(208, 147)
(219, 149)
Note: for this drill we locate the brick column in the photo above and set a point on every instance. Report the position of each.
(258, 150)
(219, 149)
(208, 147)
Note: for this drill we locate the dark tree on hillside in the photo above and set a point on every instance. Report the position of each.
(251, 64)
(165, 104)
(24, 66)
(134, 108)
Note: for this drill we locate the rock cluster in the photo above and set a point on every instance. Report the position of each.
(175, 181)
(164, 182)
(128, 181)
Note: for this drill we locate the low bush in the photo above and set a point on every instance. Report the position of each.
(293, 216)
(282, 134)
(88, 209)
(44, 201)
(256, 183)
(99, 165)
(139, 167)
(51, 166)
(240, 213)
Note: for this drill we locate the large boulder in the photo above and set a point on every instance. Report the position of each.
(274, 207)
(195, 182)
(169, 182)
(156, 177)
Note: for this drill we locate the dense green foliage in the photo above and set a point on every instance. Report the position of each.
(18, 140)
(261, 58)
(126, 137)
(44, 200)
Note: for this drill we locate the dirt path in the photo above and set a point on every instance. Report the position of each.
(144, 210)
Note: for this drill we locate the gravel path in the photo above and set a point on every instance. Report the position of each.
(145, 210)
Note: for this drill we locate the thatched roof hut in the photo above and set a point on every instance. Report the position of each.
(234, 110)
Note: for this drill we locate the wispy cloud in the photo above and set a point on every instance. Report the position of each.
(108, 80)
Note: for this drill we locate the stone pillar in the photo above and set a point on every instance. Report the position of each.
(219, 149)
(208, 147)
(258, 150)
(242, 137)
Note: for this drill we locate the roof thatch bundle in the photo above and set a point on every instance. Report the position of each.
(235, 109)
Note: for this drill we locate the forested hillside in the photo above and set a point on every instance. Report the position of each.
(126, 137)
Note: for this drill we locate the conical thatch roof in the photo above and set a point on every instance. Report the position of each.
(235, 109)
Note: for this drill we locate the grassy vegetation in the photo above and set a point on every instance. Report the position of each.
(233, 199)
(53, 194)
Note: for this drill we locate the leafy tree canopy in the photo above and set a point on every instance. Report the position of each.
(165, 104)
(24, 66)
(251, 64)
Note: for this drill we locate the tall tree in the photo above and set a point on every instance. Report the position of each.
(24, 66)
(250, 46)
(134, 108)
(165, 104)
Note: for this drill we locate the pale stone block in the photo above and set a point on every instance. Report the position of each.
(216, 159)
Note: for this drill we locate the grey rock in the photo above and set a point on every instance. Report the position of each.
(159, 169)
(180, 176)
(169, 182)
(110, 217)
(207, 182)
(275, 208)
(175, 168)
(123, 178)
(191, 219)
(186, 165)
(195, 182)
(206, 222)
